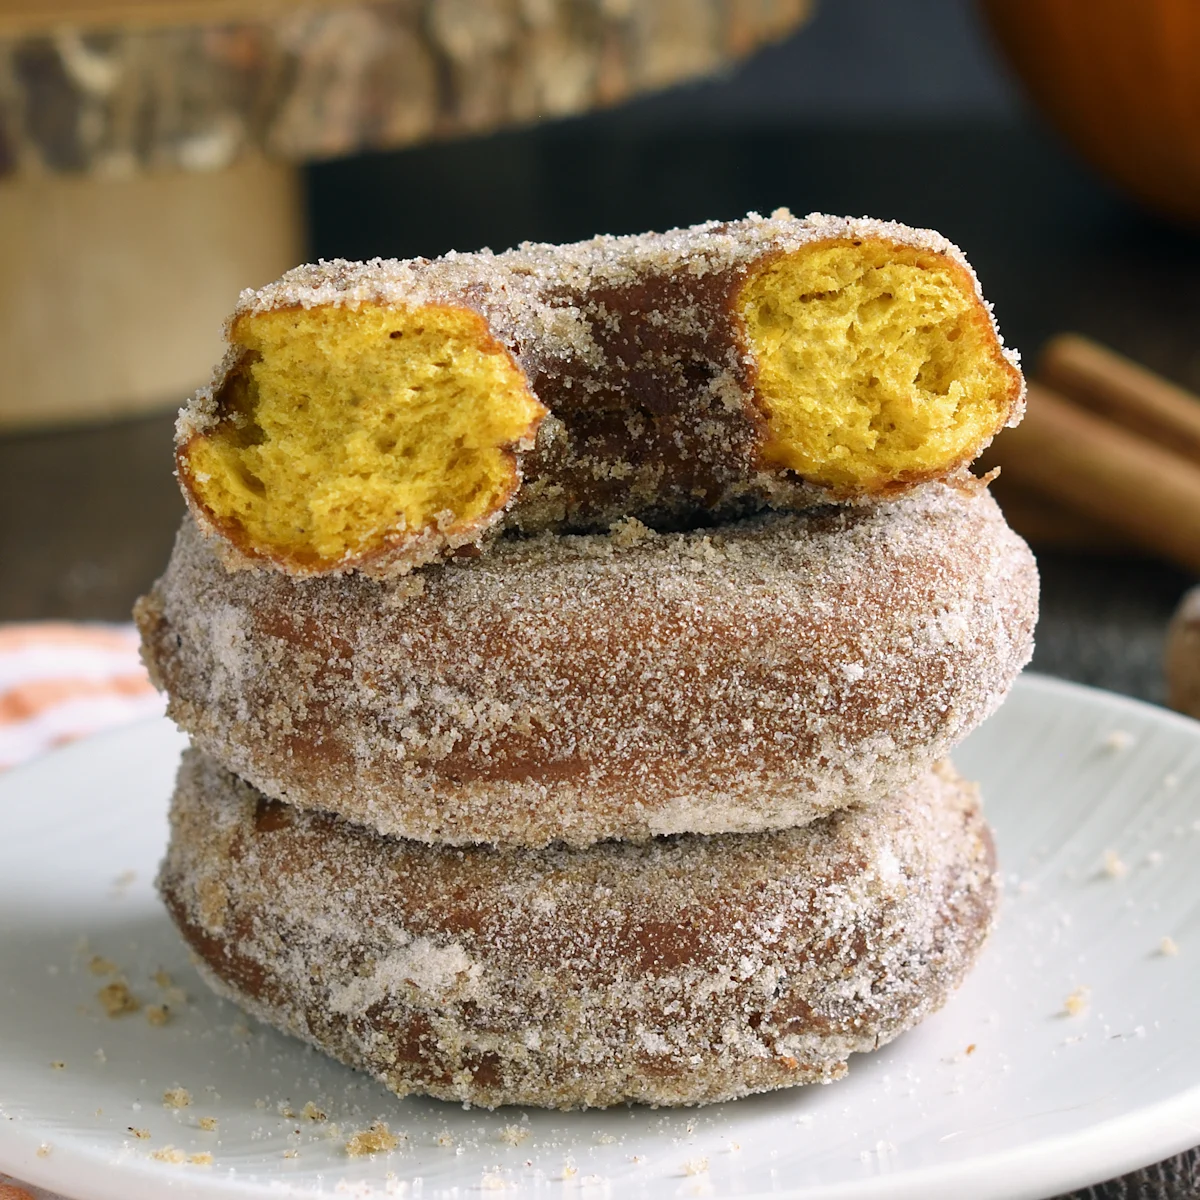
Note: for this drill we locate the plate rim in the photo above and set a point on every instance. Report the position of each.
(1034, 1170)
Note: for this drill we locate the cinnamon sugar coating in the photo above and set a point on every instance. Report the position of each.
(684, 970)
(752, 676)
(637, 348)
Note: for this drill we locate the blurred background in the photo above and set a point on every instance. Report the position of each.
(158, 155)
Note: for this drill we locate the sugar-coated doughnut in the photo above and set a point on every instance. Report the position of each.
(678, 971)
(751, 676)
(1182, 661)
(374, 416)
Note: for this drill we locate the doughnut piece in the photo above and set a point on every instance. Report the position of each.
(679, 971)
(1182, 660)
(751, 676)
(375, 416)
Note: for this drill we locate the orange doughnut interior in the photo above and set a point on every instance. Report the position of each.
(877, 364)
(343, 428)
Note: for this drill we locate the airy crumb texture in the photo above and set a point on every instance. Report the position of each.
(117, 1000)
(176, 1097)
(376, 1140)
(751, 676)
(346, 429)
(876, 364)
(374, 416)
(679, 971)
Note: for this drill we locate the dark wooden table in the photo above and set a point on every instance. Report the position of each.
(87, 516)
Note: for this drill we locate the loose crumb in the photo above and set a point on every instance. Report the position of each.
(58, 1065)
(491, 1182)
(141, 1134)
(101, 966)
(1168, 947)
(203, 1159)
(169, 1154)
(629, 531)
(569, 1171)
(376, 1140)
(970, 1049)
(310, 1112)
(291, 1154)
(157, 1014)
(1114, 868)
(43, 1151)
(176, 1097)
(444, 1139)
(514, 1135)
(696, 1166)
(208, 1123)
(1118, 740)
(1076, 1003)
(117, 1000)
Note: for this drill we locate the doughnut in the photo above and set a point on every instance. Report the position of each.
(679, 971)
(580, 687)
(1182, 660)
(376, 416)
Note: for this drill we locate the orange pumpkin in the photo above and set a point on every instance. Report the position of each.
(1121, 78)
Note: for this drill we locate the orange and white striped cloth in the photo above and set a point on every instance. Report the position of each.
(61, 681)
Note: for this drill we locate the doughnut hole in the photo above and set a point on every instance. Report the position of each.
(344, 431)
(877, 364)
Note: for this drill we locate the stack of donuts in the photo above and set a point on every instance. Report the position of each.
(571, 642)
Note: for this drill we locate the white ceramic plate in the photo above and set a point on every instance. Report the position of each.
(1096, 805)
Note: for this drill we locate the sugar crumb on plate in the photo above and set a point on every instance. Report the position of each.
(117, 1000)
(378, 1139)
(1076, 1004)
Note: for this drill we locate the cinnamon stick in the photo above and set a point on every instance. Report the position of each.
(1123, 391)
(1098, 468)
